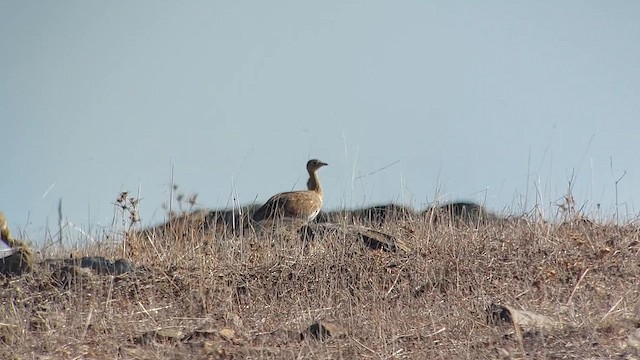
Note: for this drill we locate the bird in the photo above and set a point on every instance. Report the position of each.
(295, 205)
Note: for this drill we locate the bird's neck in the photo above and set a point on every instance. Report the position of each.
(313, 184)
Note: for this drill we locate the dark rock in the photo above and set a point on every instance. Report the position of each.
(219, 221)
(20, 261)
(103, 266)
(528, 321)
(67, 275)
(94, 264)
(458, 212)
(16, 264)
(374, 215)
(373, 239)
(323, 330)
(233, 220)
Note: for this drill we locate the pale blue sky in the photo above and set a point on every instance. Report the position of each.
(470, 100)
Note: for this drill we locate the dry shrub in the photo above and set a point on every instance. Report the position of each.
(207, 293)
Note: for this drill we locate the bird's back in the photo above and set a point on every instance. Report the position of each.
(299, 205)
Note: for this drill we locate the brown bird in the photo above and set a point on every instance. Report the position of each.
(295, 205)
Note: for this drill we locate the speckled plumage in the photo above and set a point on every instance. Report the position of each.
(295, 205)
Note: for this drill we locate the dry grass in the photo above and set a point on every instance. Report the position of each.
(215, 294)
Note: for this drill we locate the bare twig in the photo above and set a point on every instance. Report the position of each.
(367, 348)
(577, 284)
(87, 323)
(376, 171)
(612, 309)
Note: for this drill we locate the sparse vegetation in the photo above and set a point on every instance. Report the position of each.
(207, 286)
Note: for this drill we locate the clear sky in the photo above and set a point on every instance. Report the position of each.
(411, 102)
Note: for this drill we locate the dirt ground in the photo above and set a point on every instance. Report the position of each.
(480, 290)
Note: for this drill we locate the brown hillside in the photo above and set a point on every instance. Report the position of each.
(487, 290)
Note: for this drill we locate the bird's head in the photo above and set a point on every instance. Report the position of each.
(315, 164)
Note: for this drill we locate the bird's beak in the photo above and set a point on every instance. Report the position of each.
(323, 164)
